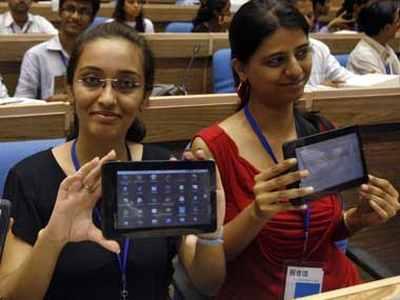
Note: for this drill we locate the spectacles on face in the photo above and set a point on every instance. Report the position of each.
(121, 85)
(83, 11)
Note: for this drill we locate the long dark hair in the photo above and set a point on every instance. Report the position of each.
(119, 15)
(137, 131)
(255, 21)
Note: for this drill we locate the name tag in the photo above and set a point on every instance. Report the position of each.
(302, 281)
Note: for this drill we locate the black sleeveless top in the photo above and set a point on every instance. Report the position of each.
(85, 270)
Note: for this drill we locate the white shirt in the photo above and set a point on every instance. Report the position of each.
(40, 65)
(148, 25)
(3, 89)
(325, 66)
(34, 24)
(371, 57)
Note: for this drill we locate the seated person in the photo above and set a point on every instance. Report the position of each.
(325, 70)
(346, 17)
(55, 249)
(19, 20)
(264, 233)
(3, 89)
(373, 53)
(130, 12)
(320, 8)
(212, 16)
(44, 65)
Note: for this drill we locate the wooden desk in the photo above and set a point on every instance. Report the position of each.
(179, 117)
(171, 64)
(160, 14)
(388, 289)
(21, 122)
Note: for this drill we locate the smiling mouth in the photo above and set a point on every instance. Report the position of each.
(106, 115)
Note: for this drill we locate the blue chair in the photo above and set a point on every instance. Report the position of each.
(179, 27)
(342, 59)
(13, 152)
(222, 72)
(98, 21)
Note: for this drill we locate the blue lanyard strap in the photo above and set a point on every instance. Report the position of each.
(122, 258)
(64, 59)
(262, 139)
(267, 147)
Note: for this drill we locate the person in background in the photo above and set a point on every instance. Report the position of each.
(44, 65)
(265, 235)
(325, 70)
(3, 89)
(19, 20)
(320, 8)
(346, 18)
(130, 12)
(55, 249)
(373, 54)
(212, 16)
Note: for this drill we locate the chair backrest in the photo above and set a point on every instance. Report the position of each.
(222, 72)
(98, 21)
(342, 59)
(13, 152)
(179, 27)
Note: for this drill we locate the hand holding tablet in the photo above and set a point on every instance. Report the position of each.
(334, 159)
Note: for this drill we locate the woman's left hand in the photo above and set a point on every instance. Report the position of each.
(379, 201)
(199, 154)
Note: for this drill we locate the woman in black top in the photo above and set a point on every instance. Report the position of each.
(55, 249)
(212, 16)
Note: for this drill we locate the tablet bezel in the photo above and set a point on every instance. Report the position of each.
(289, 151)
(109, 201)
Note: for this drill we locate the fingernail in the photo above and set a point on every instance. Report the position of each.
(364, 187)
(309, 189)
(303, 206)
(304, 173)
(292, 160)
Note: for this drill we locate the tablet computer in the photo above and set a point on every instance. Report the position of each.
(158, 198)
(334, 158)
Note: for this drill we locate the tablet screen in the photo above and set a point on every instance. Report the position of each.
(331, 162)
(163, 198)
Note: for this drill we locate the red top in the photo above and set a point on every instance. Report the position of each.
(258, 272)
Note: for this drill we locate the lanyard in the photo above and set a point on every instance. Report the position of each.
(388, 69)
(122, 259)
(64, 59)
(267, 147)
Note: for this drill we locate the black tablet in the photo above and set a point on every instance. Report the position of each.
(334, 158)
(158, 198)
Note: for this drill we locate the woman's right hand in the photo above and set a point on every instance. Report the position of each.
(271, 193)
(71, 219)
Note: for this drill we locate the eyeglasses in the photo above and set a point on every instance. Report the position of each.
(121, 85)
(83, 11)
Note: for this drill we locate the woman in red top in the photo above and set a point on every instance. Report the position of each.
(264, 233)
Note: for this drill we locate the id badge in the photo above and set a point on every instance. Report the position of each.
(303, 280)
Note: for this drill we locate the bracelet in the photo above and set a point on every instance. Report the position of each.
(207, 242)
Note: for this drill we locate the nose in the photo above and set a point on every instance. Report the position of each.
(107, 97)
(294, 69)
